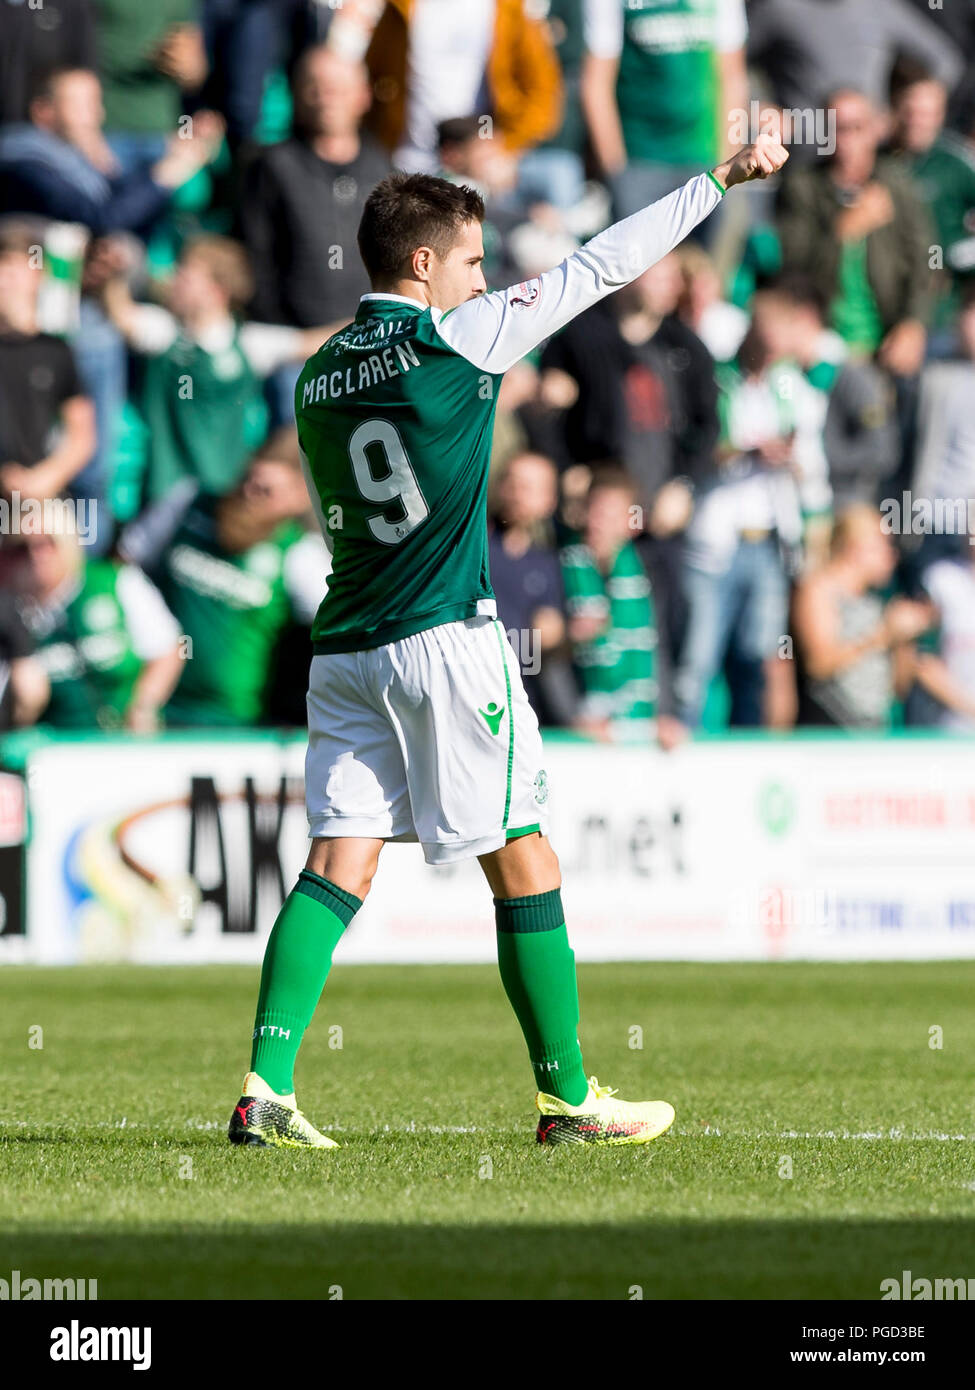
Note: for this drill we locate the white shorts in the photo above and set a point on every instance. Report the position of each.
(427, 739)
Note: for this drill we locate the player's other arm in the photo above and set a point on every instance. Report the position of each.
(496, 330)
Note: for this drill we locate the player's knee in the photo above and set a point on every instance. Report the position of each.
(349, 864)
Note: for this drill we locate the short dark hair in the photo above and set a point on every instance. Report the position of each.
(19, 237)
(458, 131)
(43, 83)
(908, 72)
(612, 477)
(410, 210)
(797, 289)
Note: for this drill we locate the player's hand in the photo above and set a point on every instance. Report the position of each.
(757, 161)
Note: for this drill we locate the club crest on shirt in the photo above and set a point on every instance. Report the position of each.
(526, 295)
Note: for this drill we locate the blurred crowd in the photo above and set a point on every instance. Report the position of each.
(737, 493)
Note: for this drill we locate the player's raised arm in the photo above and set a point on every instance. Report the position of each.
(496, 330)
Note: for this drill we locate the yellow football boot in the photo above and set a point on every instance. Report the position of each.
(601, 1118)
(264, 1118)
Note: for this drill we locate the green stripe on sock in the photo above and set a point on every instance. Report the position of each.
(344, 905)
(540, 912)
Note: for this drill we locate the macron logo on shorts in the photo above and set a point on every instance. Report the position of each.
(492, 716)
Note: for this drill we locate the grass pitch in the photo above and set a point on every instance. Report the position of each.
(821, 1144)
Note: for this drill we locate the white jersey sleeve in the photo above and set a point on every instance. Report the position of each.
(152, 329)
(732, 30)
(267, 346)
(152, 628)
(307, 566)
(494, 331)
(602, 28)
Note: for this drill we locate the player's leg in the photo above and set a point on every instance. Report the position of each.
(539, 976)
(479, 789)
(330, 890)
(297, 961)
(357, 798)
(537, 966)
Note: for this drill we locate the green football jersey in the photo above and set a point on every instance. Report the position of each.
(233, 607)
(398, 428)
(87, 652)
(616, 667)
(668, 86)
(395, 415)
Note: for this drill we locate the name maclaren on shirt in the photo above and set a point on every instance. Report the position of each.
(370, 371)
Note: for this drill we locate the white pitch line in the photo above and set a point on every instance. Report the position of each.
(703, 1132)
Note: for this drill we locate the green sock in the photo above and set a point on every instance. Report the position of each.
(296, 966)
(538, 971)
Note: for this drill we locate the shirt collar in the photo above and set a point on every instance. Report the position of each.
(396, 299)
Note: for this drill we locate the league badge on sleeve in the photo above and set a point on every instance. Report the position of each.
(526, 295)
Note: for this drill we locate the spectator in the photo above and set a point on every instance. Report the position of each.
(429, 61)
(856, 226)
(942, 165)
(466, 158)
(235, 571)
(527, 582)
(148, 56)
(860, 434)
(201, 391)
(612, 622)
(949, 673)
(108, 644)
(659, 82)
(24, 688)
(945, 458)
(302, 203)
(808, 47)
(856, 653)
(47, 431)
(243, 40)
(643, 394)
(60, 165)
(553, 171)
(37, 39)
(743, 542)
(644, 386)
(721, 326)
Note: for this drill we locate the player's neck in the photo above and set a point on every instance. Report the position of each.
(405, 289)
